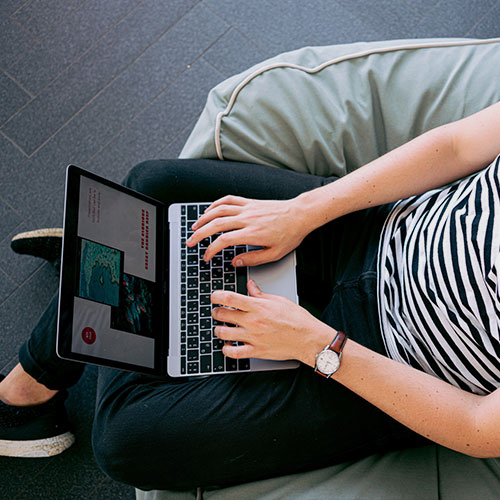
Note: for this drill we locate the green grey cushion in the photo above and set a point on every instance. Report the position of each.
(426, 473)
(329, 110)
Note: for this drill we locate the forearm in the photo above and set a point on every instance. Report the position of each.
(427, 162)
(435, 409)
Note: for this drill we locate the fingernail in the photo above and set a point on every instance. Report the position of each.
(188, 241)
(238, 263)
(194, 226)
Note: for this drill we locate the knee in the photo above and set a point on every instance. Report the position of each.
(141, 176)
(137, 453)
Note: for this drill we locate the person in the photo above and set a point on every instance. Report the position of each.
(402, 255)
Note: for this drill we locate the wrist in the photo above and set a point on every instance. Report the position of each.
(319, 336)
(320, 206)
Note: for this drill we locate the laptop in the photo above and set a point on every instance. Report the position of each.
(133, 296)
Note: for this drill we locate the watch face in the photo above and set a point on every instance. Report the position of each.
(328, 362)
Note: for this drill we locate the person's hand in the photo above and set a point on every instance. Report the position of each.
(270, 326)
(275, 226)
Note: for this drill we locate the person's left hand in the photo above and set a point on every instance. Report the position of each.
(270, 326)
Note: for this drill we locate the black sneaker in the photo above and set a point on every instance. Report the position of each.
(45, 243)
(35, 431)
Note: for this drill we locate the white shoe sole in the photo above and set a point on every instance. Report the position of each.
(37, 448)
(53, 232)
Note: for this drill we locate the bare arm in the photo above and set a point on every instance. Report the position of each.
(457, 419)
(434, 159)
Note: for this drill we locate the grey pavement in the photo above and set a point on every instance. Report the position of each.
(105, 84)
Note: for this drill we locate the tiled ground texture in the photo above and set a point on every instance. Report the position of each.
(108, 83)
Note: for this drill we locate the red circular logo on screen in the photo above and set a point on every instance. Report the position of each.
(88, 335)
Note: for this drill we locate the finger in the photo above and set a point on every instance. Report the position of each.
(232, 299)
(254, 258)
(226, 315)
(230, 334)
(238, 351)
(216, 226)
(220, 211)
(231, 238)
(254, 290)
(229, 200)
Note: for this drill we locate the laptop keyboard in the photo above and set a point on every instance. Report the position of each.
(201, 351)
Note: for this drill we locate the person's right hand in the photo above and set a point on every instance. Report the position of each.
(275, 226)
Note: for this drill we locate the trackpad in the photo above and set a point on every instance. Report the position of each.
(278, 277)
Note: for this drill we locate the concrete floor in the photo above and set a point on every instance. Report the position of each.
(106, 84)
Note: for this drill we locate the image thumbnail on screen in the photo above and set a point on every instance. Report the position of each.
(100, 271)
(135, 312)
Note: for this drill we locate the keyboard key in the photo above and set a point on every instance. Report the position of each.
(192, 260)
(183, 277)
(192, 306)
(183, 288)
(216, 285)
(183, 209)
(204, 299)
(202, 208)
(231, 364)
(183, 253)
(204, 243)
(240, 249)
(218, 361)
(217, 261)
(216, 272)
(183, 300)
(204, 275)
(192, 271)
(206, 364)
(192, 250)
(205, 311)
(217, 344)
(228, 267)
(183, 350)
(204, 287)
(192, 318)
(192, 282)
(205, 348)
(183, 325)
(231, 288)
(229, 278)
(183, 266)
(205, 323)
(205, 336)
(204, 266)
(192, 355)
(193, 343)
(183, 336)
(183, 366)
(193, 367)
(228, 254)
(192, 212)
(192, 330)
(243, 364)
(183, 312)
(192, 294)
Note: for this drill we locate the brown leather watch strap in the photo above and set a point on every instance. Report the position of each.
(338, 342)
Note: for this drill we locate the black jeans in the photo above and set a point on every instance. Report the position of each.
(165, 433)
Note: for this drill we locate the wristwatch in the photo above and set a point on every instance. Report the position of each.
(328, 360)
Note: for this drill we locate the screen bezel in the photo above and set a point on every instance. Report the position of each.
(70, 270)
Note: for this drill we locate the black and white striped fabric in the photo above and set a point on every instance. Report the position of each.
(439, 294)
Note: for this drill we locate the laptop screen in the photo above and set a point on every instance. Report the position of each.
(110, 270)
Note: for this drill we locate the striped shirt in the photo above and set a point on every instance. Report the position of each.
(439, 269)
